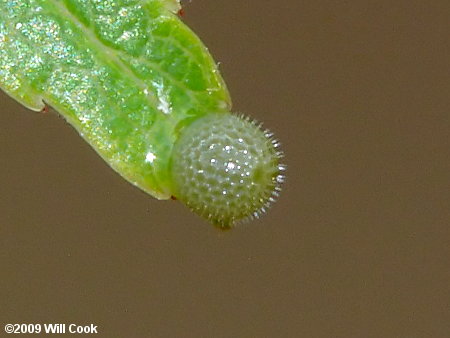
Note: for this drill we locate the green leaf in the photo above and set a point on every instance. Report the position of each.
(125, 73)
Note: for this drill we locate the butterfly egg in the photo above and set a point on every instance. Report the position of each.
(226, 168)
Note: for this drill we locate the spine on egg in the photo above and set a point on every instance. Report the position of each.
(128, 75)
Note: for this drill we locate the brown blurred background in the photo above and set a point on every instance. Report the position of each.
(358, 244)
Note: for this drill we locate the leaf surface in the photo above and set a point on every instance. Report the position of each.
(127, 74)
